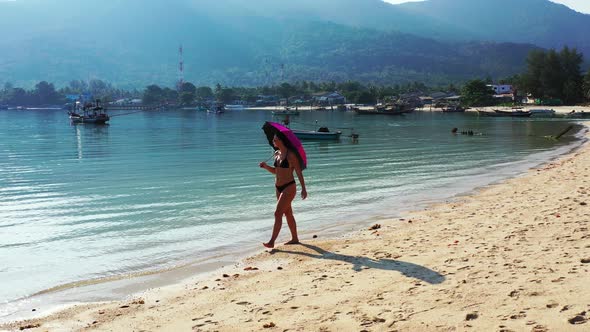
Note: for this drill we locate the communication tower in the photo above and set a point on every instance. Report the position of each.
(180, 67)
(282, 72)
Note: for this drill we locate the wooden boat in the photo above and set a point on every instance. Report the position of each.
(387, 109)
(577, 115)
(286, 111)
(379, 110)
(321, 134)
(519, 112)
(453, 109)
(92, 114)
(506, 113)
(216, 109)
(542, 112)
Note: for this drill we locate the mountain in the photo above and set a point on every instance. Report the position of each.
(539, 22)
(236, 42)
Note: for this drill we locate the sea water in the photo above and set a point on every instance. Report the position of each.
(159, 189)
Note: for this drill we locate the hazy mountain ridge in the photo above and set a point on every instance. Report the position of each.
(539, 22)
(249, 42)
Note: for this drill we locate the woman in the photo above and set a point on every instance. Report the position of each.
(285, 163)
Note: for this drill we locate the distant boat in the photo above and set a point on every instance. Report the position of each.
(542, 112)
(93, 114)
(323, 133)
(453, 109)
(517, 112)
(286, 111)
(216, 109)
(234, 107)
(574, 114)
(388, 109)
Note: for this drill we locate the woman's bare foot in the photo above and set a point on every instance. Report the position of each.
(269, 245)
(294, 241)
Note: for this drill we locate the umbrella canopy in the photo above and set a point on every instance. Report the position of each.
(289, 139)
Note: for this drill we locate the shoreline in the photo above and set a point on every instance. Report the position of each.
(119, 287)
(269, 263)
(561, 110)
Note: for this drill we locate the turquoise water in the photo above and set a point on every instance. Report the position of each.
(155, 190)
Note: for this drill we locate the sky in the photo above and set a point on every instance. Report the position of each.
(582, 6)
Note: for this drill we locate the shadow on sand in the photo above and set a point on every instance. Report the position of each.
(358, 263)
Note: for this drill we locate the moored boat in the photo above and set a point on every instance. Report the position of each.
(520, 113)
(286, 111)
(542, 112)
(322, 133)
(387, 109)
(453, 109)
(577, 115)
(216, 109)
(92, 114)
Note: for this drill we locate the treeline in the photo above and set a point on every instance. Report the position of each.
(45, 93)
(556, 75)
(550, 76)
(355, 92)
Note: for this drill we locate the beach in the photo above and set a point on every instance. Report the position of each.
(513, 256)
(559, 110)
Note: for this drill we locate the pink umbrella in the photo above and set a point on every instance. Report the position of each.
(286, 135)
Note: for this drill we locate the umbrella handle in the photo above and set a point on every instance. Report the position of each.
(271, 157)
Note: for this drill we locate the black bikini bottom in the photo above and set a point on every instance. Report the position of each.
(283, 187)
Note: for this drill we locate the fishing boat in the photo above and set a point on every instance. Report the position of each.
(453, 109)
(578, 115)
(216, 109)
(517, 112)
(89, 113)
(386, 109)
(323, 133)
(379, 110)
(542, 112)
(286, 111)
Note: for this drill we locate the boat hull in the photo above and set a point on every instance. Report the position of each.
(317, 135)
(373, 112)
(285, 112)
(90, 120)
(499, 113)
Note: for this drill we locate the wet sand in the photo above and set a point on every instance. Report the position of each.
(514, 256)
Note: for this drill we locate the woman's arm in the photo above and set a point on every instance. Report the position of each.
(299, 173)
(268, 168)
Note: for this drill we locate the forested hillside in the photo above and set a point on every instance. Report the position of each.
(237, 42)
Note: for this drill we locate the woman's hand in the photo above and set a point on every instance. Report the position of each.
(263, 164)
(303, 193)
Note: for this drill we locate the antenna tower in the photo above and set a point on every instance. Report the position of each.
(180, 67)
(282, 72)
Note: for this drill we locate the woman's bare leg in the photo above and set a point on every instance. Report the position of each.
(292, 226)
(284, 202)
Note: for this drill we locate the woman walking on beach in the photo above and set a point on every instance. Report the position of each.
(285, 162)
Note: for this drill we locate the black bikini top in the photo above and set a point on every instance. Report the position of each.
(284, 163)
